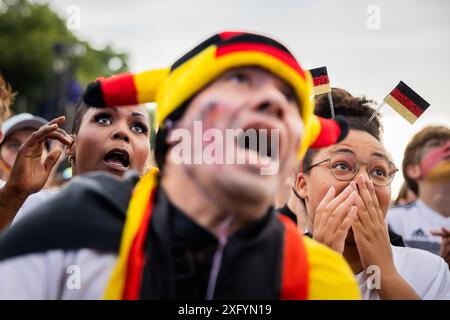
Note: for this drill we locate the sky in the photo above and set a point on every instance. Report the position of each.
(367, 46)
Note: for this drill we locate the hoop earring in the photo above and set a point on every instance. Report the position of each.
(70, 158)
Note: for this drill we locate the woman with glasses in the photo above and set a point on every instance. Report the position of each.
(346, 188)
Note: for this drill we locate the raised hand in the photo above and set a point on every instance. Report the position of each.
(445, 245)
(31, 168)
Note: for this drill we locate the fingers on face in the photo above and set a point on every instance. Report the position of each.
(336, 210)
(349, 219)
(331, 206)
(321, 207)
(344, 208)
(327, 199)
(363, 215)
(365, 194)
(370, 199)
(376, 203)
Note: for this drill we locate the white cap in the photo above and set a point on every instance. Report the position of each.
(21, 121)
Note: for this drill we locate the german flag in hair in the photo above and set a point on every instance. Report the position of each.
(171, 87)
(320, 80)
(406, 102)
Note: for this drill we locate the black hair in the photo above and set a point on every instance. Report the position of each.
(161, 145)
(80, 110)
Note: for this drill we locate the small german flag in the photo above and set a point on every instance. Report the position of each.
(321, 81)
(407, 102)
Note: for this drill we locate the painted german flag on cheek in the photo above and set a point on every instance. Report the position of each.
(321, 81)
(406, 102)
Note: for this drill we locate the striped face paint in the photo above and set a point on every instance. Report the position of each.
(406, 102)
(434, 158)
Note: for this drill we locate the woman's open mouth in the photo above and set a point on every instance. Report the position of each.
(117, 159)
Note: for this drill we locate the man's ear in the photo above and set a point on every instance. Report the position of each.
(413, 171)
(301, 185)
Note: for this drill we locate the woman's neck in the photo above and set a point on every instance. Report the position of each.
(351, 255)
(435, 195)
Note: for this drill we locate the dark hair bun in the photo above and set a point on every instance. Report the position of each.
(356, 110)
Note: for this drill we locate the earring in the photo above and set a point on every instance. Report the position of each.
(70, 158)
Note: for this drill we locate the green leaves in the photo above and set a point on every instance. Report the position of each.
(36, 46)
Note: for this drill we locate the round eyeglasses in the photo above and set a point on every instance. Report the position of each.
(345, 166)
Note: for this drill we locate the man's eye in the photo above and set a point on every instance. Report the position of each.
(290, 96)
(103, 119)
(240, 77)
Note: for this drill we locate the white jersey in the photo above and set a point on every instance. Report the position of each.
(426, 273)
(414, 223)
(56, 274)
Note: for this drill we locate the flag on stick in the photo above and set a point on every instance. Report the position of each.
(321, 81)
(406, 102)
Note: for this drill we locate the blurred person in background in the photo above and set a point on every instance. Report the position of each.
(425, 223)
(405, 196)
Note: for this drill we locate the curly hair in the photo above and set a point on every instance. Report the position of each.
(6, 99)
(356, 110)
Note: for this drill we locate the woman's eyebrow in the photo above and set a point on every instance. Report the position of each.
(137, 114)
(342, 149)
(380, 155)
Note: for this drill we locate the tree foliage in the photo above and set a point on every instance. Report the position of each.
(38, 53)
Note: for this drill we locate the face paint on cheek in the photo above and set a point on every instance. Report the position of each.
(433, 158)
(210, 115)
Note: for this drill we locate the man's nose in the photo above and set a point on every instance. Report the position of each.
(271, 101)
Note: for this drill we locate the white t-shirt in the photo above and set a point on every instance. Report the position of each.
(426, 273)
(56, 274)
(414, 222)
